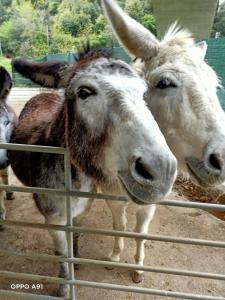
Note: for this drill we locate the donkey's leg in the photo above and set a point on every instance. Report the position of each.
(75, 243)
(118, 210)
(5, 180)
(60, 244)
(76, 222)
(144, 216)
(2, 208)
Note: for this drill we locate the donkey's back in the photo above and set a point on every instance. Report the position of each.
(36, 119)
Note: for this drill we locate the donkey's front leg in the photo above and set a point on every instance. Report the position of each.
(60, 244)
(5, 180)
(118, 210)
(2, 207)
(144, 216)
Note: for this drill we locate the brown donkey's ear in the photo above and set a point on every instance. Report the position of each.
(5, 84)
(52, 74)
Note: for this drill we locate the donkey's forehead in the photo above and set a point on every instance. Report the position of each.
(105, 65)
(185, 61)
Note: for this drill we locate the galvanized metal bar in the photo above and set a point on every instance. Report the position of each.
(33, 277)
(97, 196)
(193, 204)
(147, 291)
(61, 192)
(92, 262)
(126, 234)
(122, 288)
(33, 148)
(68, 187)
(26, 296)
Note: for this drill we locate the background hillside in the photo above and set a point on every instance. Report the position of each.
(33, 28)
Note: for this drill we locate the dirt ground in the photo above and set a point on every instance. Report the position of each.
(168, 221)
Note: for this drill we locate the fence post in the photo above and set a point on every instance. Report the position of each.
(68, 187)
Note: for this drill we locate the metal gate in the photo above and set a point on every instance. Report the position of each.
(69, 229)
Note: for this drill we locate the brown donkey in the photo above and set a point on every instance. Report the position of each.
(113, 140)
(7, 122)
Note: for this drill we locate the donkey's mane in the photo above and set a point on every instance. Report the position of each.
(175, 35)
(86, 54)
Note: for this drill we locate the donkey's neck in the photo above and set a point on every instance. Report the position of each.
(56, 133)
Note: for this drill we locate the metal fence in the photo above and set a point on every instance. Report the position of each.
(68, 191)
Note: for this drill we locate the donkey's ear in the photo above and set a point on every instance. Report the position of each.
(5, 84)
(202, 46)
(137, 40)
(47, 74)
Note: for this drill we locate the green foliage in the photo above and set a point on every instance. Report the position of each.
(149, 22)
(33, 28)
(6, 63)
(219, 25)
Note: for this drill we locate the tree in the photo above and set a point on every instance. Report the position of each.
(219, 24)
(35, 27)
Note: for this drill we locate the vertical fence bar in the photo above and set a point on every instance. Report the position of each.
(68, 187)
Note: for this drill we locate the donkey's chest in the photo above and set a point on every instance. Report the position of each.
(55, 204)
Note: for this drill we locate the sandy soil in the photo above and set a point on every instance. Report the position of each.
(168, 221)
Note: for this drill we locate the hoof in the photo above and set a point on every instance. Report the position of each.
(137, 277)
(2, 227)
(10, 196)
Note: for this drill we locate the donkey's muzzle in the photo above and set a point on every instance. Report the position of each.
(150, 179)
(209, 172)
(214, 158)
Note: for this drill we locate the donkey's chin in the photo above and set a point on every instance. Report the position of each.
(139, 194)
(200, 175)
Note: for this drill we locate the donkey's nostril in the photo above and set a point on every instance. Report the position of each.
(142, 170)
(216, 161)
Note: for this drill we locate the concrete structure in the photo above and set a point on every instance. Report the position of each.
(196, 15)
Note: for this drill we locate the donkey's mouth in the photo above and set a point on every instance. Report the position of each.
(131, 196)
(196, 177)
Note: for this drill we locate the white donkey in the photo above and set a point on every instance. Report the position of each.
(182, 97)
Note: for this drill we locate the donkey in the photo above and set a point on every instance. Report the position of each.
(7, 123)
(113, 140)
(182, 98)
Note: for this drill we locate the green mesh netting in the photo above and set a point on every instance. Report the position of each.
(215, 57)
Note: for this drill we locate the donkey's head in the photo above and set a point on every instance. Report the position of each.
(6, 115)
(182, 94)
(111, 135)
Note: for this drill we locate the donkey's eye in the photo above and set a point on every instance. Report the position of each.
(85, 92)
(165, 83)
(6, 122)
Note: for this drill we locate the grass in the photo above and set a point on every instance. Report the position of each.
(6, 63)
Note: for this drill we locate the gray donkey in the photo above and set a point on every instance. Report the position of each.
(103, 121)
(7, 122)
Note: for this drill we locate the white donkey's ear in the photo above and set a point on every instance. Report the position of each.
(137, 40)
(203, 48)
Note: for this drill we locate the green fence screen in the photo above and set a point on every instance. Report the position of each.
(215, 57)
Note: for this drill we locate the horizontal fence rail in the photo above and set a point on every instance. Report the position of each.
(70, 229)
(114, 233)
(122, 288)
(97, 263)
